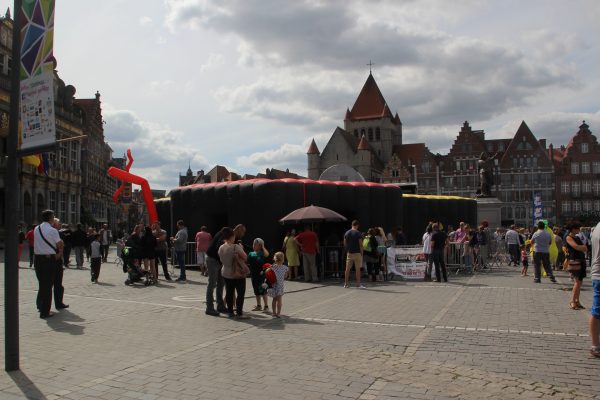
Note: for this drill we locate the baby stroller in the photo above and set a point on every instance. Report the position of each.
(131, 266)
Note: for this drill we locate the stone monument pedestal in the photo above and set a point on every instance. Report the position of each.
(488, 208)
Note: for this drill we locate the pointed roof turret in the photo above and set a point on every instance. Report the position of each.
(369, 103)
(348, 115)
(7, 15)
(363, 144)
(313, 149)
(584, 126)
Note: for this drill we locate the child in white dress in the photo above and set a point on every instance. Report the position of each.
(276, 292)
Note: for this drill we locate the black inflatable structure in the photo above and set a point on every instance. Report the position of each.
(260, 203)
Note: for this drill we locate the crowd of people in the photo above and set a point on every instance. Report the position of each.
(227, 262)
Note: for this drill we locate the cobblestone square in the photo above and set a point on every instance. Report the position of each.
(491, 335)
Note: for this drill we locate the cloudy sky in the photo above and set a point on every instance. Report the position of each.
(248, 83)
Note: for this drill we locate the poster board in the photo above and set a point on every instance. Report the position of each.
(406, 262)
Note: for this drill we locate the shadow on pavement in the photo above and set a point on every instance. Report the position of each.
(105, 284)
(266, 321)
(26, 386)
(60, 323)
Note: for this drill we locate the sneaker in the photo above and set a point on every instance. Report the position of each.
(552, 279)
(257, 308)
(361, 287)
(346, 286)
(536, 281)
(595, 351)
(180, 279)
(266, 309)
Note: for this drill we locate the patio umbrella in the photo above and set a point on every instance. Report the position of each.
(312, 214)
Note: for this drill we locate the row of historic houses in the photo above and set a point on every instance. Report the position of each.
(72, 180)
(566, 177)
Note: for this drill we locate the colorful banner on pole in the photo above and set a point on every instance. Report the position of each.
(37, 74)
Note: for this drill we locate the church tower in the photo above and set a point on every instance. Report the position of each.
(371, 117)
(313, 161)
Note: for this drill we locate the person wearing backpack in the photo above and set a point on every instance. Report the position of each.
(370, 254)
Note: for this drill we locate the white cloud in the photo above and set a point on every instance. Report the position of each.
(159, 152)
(145, 21)
(214, 61)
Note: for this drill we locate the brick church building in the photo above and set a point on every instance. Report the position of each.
(567, 178)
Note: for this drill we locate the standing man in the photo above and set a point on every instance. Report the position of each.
(438, 243)
(48, 248)
(105, 241)
(65, 234)
(179, 246)
(79, 241)
(309, 245)
(58, 287)
(354, 253)
(161, 249)
(215, 280)
(203, 239)
(595, 311)
(483, 238)
(541, 241)
(512, 241)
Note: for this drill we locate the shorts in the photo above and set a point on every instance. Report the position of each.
(595, 310)
(354, 259)
(201, 257)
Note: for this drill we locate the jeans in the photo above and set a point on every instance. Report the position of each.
(539, 258)
(96, 263)
(215, 280)
(161, 255)
(309, 262)
(78, 255)
(438, 262)
(45, 269)
(66, 255)
(237, 286)
(104, 250)
(513, 250)
(59, 289)
(181, 263)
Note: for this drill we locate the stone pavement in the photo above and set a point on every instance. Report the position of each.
(492, 335)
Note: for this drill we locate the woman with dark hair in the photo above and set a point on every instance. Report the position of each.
(371, 256)
(576, 262)
(235, 284)
(149, 253)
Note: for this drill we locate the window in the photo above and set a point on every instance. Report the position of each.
(596, 188)
(73, 207)
(425, 166)
(500, 146)
(596, 167)
(458, 165)
(515, 162)
(565, 187)
(585, 167)
(74, 155)
(575, 188)
(52, 200)
(576, 206)
(62, 155)
(587, 205)
(370, 134)
(506, 212)
(596, 204)
(395, 173)
(584, 148)
(586, 186)
(377, 134)
(566, 206)
(574, 168)
(449, 181)
(362, 132)
(62, 207)
(520, 212)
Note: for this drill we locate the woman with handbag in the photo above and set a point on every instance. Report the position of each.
(234, 272)
(576, 262)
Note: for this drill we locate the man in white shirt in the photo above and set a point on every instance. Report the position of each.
(512, 241)
(48, 248)
(105, 241)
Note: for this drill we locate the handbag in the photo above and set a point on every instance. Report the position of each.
(240, 269)
(573, 265)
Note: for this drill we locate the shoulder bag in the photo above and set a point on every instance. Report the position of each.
(240, 269)
(45, 240)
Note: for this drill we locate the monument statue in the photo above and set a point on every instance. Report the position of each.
(486, 174)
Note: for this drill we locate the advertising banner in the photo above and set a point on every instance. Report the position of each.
(537, 207)
(37, 74)
(406, 262)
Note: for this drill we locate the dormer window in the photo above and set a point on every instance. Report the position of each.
(585, 148)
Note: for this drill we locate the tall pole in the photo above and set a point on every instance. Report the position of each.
(11, 262)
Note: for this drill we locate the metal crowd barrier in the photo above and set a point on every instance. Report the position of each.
(190, 255)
